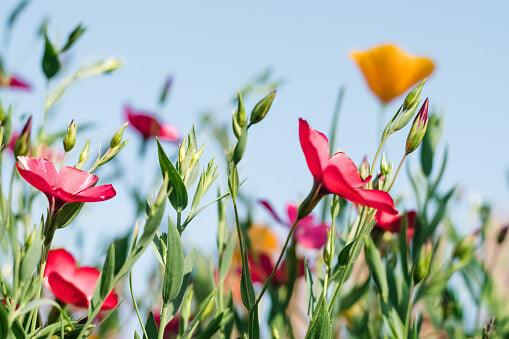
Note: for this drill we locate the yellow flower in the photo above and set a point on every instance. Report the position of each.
(262, 241)
(390, 71)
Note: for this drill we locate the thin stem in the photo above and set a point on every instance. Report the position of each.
(162, 324)
(397, 172)
(278, 262)
(135, 304)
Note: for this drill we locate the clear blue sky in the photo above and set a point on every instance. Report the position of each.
(213, 47)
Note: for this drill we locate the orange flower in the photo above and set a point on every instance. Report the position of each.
(262, 240)
(390, 71)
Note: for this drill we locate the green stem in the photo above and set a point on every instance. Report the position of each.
(397, 172)
(162, 324)
(135, 304)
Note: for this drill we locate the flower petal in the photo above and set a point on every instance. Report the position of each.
(18, 83)
(85, 278)
(73, 180)
(315, 146)
(91, 194)
(38, 172)
(143, 122)
(312, 237)
(61, 261)
(272, 211)
(66, 291)
(169, 132)
(348, 169)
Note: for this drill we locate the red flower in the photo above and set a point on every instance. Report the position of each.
(14, 82)
(71, 284)
(309, 233)
(69, 184)
(261, 266)
(338, 174)
(393, 222)
(148, 126)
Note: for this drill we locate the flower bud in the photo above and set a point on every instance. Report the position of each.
(328, 250)
(22, 146)
(418, 129)
(364, 168)
(423, 262)
(412, 98)
(70, 137)
(207, 309)
(117, 137)
(464, 248)
(385, 166)
(240, 114)
(262, 108)
(84, 155)
(502, 234)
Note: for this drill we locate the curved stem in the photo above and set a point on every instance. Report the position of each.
(397, 172)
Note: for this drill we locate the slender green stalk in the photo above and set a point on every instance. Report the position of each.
(164, 321)
(135, 304)
(397, 172)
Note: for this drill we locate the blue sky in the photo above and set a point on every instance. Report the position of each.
(212, 48)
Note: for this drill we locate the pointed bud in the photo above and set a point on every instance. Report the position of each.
(262, 108)
(464, 248)
(240, 114)
(328, 250)
(412, 98)
(502, 234)
(70, 137)
(117, 137)
(418, 129)
(84, 155)
(423, 262)
(385, 166)
(22, 146)
(364, 168)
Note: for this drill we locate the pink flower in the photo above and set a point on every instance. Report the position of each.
(261, 266)
(69, 184)
(71, 284)
(149, 127)
(338, 174)
(309, 234)
(393, 222)
(14, 82)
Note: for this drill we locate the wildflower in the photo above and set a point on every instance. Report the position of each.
(390, 71)
(309, 233)
(14, 82)
(69, 184)
(262, 240)
(418, 129)
(337, 174)
(262, 265)
(392, 222)
(71, 284)
(149, 127)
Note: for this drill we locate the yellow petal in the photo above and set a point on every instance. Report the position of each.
(390, 71)
(262, 240)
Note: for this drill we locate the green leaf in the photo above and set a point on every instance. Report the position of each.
(344, 255)
(226, 258)
(76, 33)
(31, 258)
(67, 214)
(354, 295)
(320, 326)
(50, 61)
(240, 147)
(176, 186)
(16, 12)
(174, 265)
(377, 268)
(107, 274)
(151, 327)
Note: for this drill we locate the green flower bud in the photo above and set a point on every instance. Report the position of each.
(418, 129)
(412, 98)
(423, 262)
(364, 168)
(117, 137)
(464, 248)
(262, 108)
(207, 310)
(70, 137)
(240, 114)
(385, 166)
(84, 155)
(22, 146)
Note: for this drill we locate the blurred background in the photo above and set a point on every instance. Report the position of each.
(214, 48)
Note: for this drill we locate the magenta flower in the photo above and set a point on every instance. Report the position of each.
(149, 127)
(309, 233)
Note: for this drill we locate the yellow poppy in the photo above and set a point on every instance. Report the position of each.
(390, 71)
(262, 240)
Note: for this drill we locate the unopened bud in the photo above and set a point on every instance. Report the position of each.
(84, 155)
(22, 146)
(502, 234)
(464, 248)
(262, 108)
(364, 168)
(207, 310)
(70, 137)
(117, 137)
(385, 166)
(423, 262)
(240, 114)
(413, 96)
(328, 250)
(418, 129)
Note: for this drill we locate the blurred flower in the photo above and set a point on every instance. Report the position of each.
(69, 184)
(149, 127)
(390, 71)
(14, 82)
(309, 233)
(392, 222)
(172, 328)
(262, 265)
(339, 174)
(262, 240)
(39, 151)
(71, 284)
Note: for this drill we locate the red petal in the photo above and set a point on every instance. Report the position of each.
(73, 180)
(143, 122)
(111, 301)
(38, 172)
(348, 169)
(315, 146)
(62, 262)
(19, 83)
(66, 291)
(85, 278)
(313, 237)
(380, 200)
(169, 133)
(292, 210)
(92, 194)
(272, 211)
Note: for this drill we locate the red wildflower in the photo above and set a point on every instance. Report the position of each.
(261, 266)
(309, 233)
(14, 82)
(71, 284)
(393, 222)
(149, 127)
(69, 184)
(338, 174)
